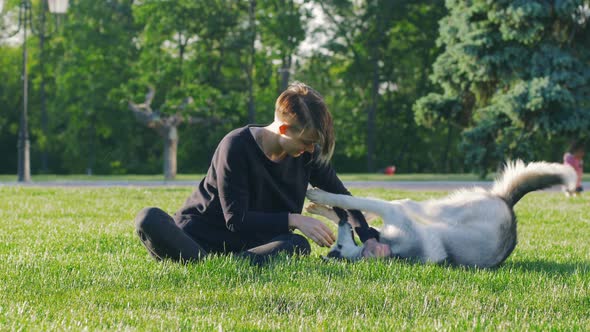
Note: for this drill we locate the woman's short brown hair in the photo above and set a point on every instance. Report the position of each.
(302, 106)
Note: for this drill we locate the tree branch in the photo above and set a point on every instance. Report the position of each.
(144, 114)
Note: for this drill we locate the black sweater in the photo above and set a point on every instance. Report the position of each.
(247, 192)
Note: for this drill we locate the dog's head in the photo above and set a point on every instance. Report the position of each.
(345, 246)
(349, 253)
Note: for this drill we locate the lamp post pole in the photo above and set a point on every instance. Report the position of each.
(24, 158)
(25, 21)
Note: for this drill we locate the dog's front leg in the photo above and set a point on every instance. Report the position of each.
(376, 206)
(323, 197)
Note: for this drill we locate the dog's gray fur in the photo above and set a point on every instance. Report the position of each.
(471, 227)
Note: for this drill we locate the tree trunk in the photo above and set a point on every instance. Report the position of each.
(401, 157)
(167, 128)
(170, 149)
(372, 112)
(24, 157)
(285, 73)
(181, 50)
(250, 69)
(371, 115)
(44, 117)
(91, 147)
(447, 149)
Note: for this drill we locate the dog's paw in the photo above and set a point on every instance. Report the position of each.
(318, 209)
(323, 210)
(317, 195)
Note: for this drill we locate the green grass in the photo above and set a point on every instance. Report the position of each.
(70, 261)
(83, 177)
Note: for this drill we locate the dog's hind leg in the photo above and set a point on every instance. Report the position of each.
(328, 213)
(324, 211)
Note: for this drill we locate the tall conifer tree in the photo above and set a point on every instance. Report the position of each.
(511, 72)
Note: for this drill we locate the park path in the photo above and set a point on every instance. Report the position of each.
(394, 185)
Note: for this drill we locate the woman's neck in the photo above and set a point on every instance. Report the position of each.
(268, 140)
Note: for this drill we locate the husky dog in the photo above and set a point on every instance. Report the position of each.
(471, 227)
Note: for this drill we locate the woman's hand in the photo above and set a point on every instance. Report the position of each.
(373, 248)
(313, 229)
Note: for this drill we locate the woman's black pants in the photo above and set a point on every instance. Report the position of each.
(165, 240)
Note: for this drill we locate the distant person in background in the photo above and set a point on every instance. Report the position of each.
(575, 158)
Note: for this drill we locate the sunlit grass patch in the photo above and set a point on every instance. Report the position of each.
(72, 261)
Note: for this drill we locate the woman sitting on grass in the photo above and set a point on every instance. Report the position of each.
(251, 199)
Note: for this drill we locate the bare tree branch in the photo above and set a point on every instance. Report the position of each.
(144, 114)
(162, 124)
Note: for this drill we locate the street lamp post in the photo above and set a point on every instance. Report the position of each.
(25, 22)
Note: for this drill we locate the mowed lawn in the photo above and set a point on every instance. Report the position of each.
(71, 261)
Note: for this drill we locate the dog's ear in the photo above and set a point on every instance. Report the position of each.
(341, 213)
(335, 253)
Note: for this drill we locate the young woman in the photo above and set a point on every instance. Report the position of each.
(251, 199)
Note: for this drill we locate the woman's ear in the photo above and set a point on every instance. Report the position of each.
(283, 128)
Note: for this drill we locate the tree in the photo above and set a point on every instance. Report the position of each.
(251, 60)
(178, 35)
(10, 104)
(108, 53)
(377, 54)
(93, 54)
(166, 127)
(282, 25)
(512, 72)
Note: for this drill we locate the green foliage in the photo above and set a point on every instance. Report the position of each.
(382, 45)
(171, 52)
(107, 53)
(516, 68)
(282, 24)
(435, 108)
(88, 60)
(509, 79)
(10, 105)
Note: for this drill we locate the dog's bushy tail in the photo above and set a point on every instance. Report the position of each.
(518, 179)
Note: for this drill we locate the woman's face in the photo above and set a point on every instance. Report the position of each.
(295, 142)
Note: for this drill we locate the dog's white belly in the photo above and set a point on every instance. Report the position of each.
(433, 247)
(468, 231)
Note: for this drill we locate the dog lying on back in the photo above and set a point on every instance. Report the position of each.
(471, 227)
